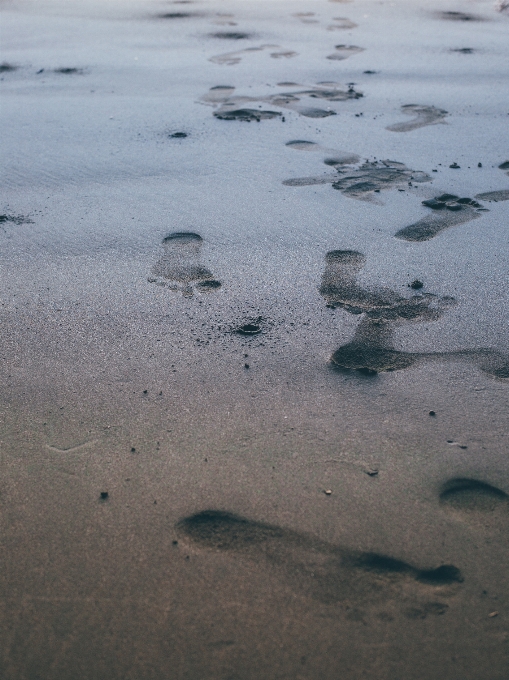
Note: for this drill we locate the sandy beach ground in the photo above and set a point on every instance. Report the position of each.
(254, 340)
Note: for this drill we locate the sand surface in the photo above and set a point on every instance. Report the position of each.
(240, 440)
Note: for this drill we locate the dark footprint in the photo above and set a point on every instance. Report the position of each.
(180, 266)
(372, 349)
(178, 15)
(325, 572)
(363, 182)
(246, 115)
(459, 16)
(15, 219)
(424, 115)
(448, 211)
(474, 501)
(230, 35)
(504, 166)
(5, 67)
(69, 71)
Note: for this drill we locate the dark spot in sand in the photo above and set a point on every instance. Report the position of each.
(177, 15)
(416, 285)
(178, 135)
(231, 35)
(464, 50)
(68, 71)
(504, 165)
(253, 327)
(6, 67)
(455, 166)
(432, 413)
(104, 496)
(247, 115)
(133, 450)
(370, 72)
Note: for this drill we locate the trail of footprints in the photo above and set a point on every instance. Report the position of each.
(232, 106)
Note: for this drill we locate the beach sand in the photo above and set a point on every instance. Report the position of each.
(255, 340)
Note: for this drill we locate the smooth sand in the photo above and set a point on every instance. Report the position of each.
(289, 519)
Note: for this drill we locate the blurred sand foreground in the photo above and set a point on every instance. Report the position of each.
(255, 340)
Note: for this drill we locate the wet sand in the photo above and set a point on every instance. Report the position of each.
(255, 346)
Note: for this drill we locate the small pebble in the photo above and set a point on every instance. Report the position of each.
(479, 165)
(104, 496)
(492, 615)
(328, 492)
(416, 285)
(432, 413)
(455, 166)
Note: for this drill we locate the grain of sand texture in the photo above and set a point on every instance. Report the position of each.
(255, 340)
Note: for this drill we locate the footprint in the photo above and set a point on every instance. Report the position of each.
(231, 35)
(305, 17)
(504, 166)
(15, 219)
(69, 71)
(345, 51)
(5, 67)
(369, 178)
(246, 114)
(223, 96)
(179, 15)
(424, 115)
(179, 267)
(458, 16)
(341, 24)
(501, 195)
(448, 211)
(362, 583)
(334, 159)
(372, 349)
(475, 502)
(224, 19)
(231, 58)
